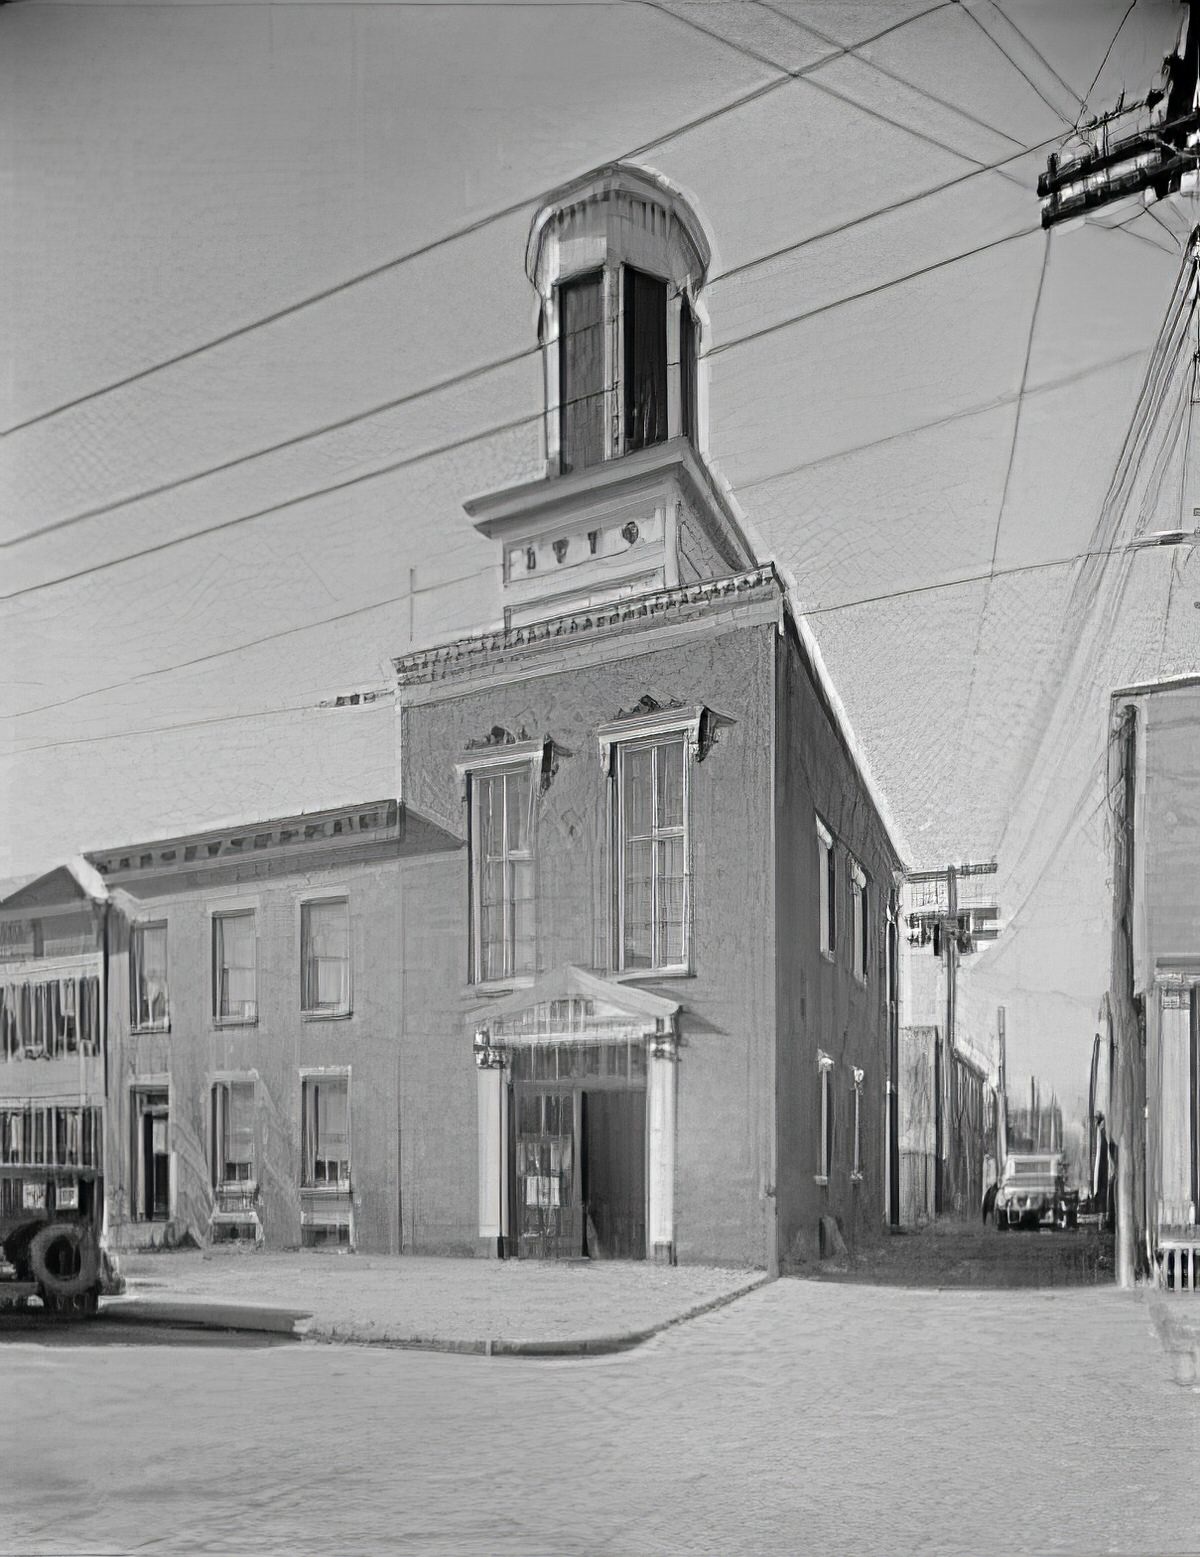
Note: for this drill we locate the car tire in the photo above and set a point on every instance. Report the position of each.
(60, 1291)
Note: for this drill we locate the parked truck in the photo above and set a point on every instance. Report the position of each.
(53, 1076)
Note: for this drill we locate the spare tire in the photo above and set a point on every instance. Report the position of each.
(65, 1259)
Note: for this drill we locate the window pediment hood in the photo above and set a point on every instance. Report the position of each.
(571, 1005)
(604, 215)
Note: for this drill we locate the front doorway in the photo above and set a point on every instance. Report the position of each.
(579, 1151)
(151, 1176)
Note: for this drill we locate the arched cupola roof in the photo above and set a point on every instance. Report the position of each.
(578, 225)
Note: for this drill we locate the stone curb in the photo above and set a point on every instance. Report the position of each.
(242, 1318)
(264, 1320)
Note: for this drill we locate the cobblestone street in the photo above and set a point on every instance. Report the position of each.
(805, 1417)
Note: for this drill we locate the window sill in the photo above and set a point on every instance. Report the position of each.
(326, 1016)
(631, 975)
(820, 1178)
(143, 1032)
(221, 1022)
(489, 989)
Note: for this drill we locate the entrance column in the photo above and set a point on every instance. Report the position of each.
(662, 1058)
(492, 1098)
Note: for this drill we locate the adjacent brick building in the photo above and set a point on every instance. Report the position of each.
(255, 1020)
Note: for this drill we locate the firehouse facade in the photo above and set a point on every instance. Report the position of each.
(661, 957)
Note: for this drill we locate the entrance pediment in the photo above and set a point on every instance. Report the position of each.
(571, 1005)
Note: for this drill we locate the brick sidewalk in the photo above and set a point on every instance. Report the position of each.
(449, 1304)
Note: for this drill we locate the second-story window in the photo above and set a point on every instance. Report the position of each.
(645, 366)
(502, 885)
(235, 967)
(148, 977)
(652, 854)
(581, 371)
(827, 887)
(325, 957)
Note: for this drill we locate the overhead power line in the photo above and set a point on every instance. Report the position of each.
(891, 75)
(1019, 68)
(251, 643)
(468, 229)
(1112, 45)
(816, 610)
(377, 605)
(482, 369)
(509, 426)
(871, 291)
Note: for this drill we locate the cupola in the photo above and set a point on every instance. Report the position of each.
(627, 504)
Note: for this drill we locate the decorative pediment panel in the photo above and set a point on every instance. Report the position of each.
(574, 1006)
(649, 718)
(501, 748)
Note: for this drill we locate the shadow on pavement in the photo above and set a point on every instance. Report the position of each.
(37, 1330)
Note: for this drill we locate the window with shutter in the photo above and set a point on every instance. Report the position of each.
(581, 371)
(645, 367)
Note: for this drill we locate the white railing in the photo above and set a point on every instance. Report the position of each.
(1177, 1246)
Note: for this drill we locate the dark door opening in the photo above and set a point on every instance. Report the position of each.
(152, 1157)
(548, 1213)
(613, 1173)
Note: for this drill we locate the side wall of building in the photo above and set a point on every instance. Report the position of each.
(725, 1068)
(823, 1007)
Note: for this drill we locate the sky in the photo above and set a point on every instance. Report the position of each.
(268, 326)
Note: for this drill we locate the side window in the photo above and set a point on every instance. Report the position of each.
(856, 1171)
(827, 887)
(825, 1139)
(149, 1008)
(859, 933)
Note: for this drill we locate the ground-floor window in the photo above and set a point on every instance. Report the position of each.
(325, 1202)
(232, 1134)
(825, 1138)
(857, 1171)
(326, 1131)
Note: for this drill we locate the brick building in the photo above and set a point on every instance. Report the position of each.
(669, 937)
(256, 1011)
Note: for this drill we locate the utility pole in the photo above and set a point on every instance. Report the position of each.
(954, 931)
(1001, 1094)
(1126, 1027)
(1153, 159)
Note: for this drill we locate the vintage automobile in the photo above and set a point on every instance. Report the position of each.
(1033, 1192)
